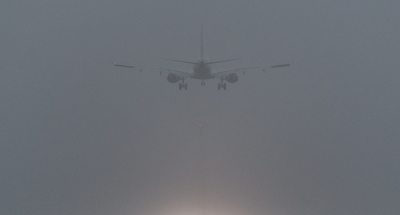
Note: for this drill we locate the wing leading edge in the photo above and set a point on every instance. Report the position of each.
(177, 72)
(237, 70)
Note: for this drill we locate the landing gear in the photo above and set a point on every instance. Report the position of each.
(183, 84)
(222, 84)
(203, 83)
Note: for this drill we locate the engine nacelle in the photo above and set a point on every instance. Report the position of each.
(232, 78)
(172, 78)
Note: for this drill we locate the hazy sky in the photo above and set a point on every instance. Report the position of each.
(79, 136)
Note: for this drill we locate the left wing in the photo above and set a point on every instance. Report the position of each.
(177, 72)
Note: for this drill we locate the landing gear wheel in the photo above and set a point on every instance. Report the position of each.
(224, 86)
(203, 83)
(219, 86)
(183, 84)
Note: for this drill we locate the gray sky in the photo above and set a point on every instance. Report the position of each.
(79, 136)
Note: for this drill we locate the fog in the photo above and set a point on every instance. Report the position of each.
(80, 136)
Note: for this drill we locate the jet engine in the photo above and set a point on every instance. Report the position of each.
(172, 78)
(232, 78)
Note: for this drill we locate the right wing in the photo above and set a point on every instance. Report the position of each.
(229, 71)
(237, 70)
(177, 72)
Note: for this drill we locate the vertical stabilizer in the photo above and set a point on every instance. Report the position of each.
(201, 45)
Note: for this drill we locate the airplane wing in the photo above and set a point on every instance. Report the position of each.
(208, 63)
(177, 72)
(229, 71)
(237, 70)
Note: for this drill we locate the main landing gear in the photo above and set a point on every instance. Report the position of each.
(222, 84)
(183, 84)
(203, 83)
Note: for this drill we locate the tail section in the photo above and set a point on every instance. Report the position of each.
(201, 54)
(201, 45)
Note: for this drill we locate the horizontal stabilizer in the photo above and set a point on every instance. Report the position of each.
(222, 61)
(281, 65)
(181, 61)
(120, 65)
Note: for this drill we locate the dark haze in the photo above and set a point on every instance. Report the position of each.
(79, 136)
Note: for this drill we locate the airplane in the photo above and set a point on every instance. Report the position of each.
(202, 70)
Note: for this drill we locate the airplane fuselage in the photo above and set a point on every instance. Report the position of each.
(202, 71)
